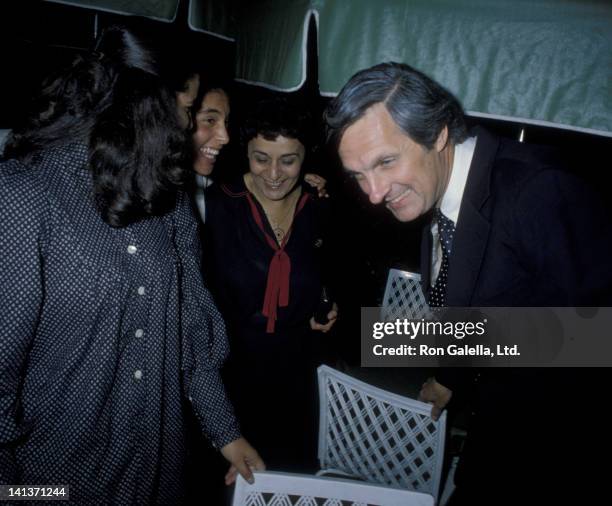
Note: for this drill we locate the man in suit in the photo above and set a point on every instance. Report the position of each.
(508, 227)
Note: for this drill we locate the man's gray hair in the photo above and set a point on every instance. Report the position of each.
(417, 104)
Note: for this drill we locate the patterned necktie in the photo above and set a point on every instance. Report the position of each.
(446, 230)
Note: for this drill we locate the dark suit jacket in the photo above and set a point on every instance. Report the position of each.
(529, 234)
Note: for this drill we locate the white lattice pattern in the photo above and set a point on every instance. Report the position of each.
(404, 297)
(284, 489)
(378, 436)
(263, 499)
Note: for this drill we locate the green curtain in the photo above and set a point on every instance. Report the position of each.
(271, 43)
(162, 10)
(546, 61)
(214, 17)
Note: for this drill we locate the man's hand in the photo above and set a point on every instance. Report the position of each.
(436, 394)
(243, 459)
(331, 316)
(317, 182)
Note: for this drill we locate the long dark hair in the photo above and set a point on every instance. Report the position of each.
(113, 99)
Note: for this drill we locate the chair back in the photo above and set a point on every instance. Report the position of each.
(404, 297)
(378, 436)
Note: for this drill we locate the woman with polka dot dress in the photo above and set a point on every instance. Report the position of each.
(105, 323)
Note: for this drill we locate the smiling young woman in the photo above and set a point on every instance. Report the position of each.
(210, 136)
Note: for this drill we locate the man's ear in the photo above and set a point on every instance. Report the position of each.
(442, 139)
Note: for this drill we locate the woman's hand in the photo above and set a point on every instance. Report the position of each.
(331, 316)
(317, 182)
(243, 459)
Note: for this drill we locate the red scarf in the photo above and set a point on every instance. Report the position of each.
(277, 285)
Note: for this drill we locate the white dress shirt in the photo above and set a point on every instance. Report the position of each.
(202, 182)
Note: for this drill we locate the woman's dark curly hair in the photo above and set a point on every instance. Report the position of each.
(113, 99)
(278, 116)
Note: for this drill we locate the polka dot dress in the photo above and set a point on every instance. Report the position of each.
(102, 333)
(446, 230)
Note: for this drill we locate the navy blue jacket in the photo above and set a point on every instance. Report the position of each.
(102, 332)
(529, 234)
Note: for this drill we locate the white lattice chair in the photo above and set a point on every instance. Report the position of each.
(375, 435)
(404, 297)
(283, 489)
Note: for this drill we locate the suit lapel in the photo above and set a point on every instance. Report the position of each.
(469, 247)
(426, 246)
(473, 226)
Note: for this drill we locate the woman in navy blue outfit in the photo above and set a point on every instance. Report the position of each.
(105, 323)
(267, 243)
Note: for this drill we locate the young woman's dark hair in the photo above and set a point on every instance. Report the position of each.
(209, 82)
(114, 100)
